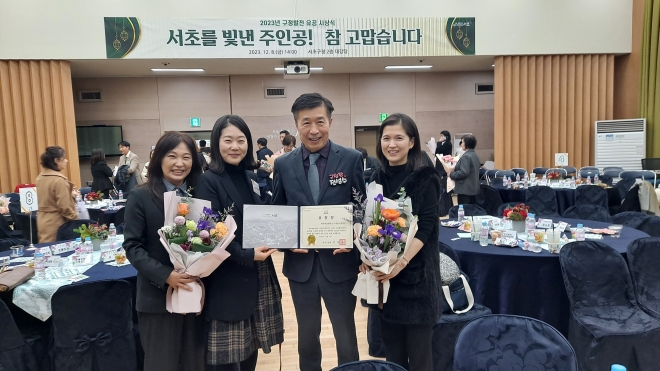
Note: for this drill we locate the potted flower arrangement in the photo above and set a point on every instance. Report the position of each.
(96, 232)
(517, 215)
(94, 196)
(553, 175)
(4, 205)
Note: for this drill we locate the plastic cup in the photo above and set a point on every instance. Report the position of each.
(16, 251)
(539, 235)
(617, 230)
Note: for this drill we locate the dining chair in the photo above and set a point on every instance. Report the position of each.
(643, 257)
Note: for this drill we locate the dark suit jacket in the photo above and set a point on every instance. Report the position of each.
(144, 216)
(290, 187)
(372, 165)
(263, 175)
(101, 174)
(466, 174)
(232, 289)
(443, 149)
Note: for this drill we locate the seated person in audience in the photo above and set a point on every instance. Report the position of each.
(55, 194)
(101, 173)
(371, 164)
(171, 341)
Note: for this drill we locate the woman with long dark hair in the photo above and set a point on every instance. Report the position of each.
(171, 341)
(55, 193)
(101, 173)
(414, 301)
(443, 148)
(243, 297)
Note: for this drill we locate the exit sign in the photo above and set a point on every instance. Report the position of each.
(195, 122)
(383, 116)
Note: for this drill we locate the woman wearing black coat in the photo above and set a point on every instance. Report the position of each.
(443, 148)
(243, 297)
(101, 173)
(414, 303)
(171, 341)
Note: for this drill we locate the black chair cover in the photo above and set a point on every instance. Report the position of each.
(6, 243)
(119, 217)
(445, 249)
(369, 365)
(643, 259)
(624, 186)
(649, 224)
(84, 191)
(65, 232)
(506, 342)
(469, 209)
(540, 170)
(489, 199)
(94, 331)
(6, 231)
(588, 212)
(11, 342)
(543, 199)
(24, 220)
(97, 215)
(591, 195)
(631, 201)
(570, 170)
(505, 173)
(519, 170)
(606, 326)
(444, 204)
(500, 210)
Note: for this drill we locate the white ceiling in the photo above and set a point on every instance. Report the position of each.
(142, 67)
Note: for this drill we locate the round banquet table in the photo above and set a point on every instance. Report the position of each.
(515, 281)
(565, 196)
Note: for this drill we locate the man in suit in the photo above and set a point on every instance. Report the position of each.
(302, 178)
(371, 164)
(131, 159)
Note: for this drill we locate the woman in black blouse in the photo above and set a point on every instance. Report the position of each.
(443, 148)
(243, 297)
(414, 301)
(101, 173)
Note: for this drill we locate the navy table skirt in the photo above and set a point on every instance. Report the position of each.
(514, 281)
(565, 197)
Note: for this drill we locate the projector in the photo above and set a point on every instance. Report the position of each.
(296, 70)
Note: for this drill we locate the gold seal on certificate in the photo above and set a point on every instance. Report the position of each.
(326, 227)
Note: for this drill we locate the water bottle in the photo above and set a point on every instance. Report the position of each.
(88, 247)
(588, 179)
(530, 226)
(121, 195)
(483, 234)
(545, 177)
(596, 179)
(461, 213)
(112, 232)
(517, 177)
(572, 182)
(579, 233)
(39, 266)
(616, 367)
(508, 182)
(526, 176)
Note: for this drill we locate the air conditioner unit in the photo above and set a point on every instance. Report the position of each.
(620, 143)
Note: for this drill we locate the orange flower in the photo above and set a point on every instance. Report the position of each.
(221, 229)
(183, 209)
(401, 222)
(373, 231)
(390, 214)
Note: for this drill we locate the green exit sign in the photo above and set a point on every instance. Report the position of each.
(195, 122)
(383, 116)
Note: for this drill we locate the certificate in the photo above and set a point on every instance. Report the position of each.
(326, 227)
(270, 225)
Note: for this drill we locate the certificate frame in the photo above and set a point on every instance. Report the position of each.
(274, 226)
(326, 227)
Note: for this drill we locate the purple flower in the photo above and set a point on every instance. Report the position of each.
(203, 224)
(203, 234)
(179, 220)
(396, 234)
(207, 211)
(388, 231)
(189, 233)
(382, 240)
(379, 198)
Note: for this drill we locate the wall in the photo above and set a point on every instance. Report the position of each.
(146, 107)
(548, 104)
(36, 111)
(627, 70)
(73, 29)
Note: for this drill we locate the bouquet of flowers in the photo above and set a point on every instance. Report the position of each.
(94, 196)
(195, 238)
(4, 205)
(553, 175)
(388, 228)
(517, 213)
(94, 231)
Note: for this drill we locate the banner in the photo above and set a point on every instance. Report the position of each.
(130, 37)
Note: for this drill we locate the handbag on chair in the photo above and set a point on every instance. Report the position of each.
(458, 296)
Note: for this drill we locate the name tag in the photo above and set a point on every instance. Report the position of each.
(83, 259)
(255, 188)
(562, 226)
(46, 251)
(108, 256)
(62, 248)
(53, 261)
(509, 235)
(544, 223)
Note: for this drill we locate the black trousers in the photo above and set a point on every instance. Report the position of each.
(172, 342)
(409, 346)
(340, 304)
(465, 199)
(249, 364)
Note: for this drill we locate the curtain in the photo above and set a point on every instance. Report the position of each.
(649, 93)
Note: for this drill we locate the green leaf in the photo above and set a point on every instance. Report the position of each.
(200, 248)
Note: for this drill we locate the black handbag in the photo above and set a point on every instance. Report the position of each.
(457, 296)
